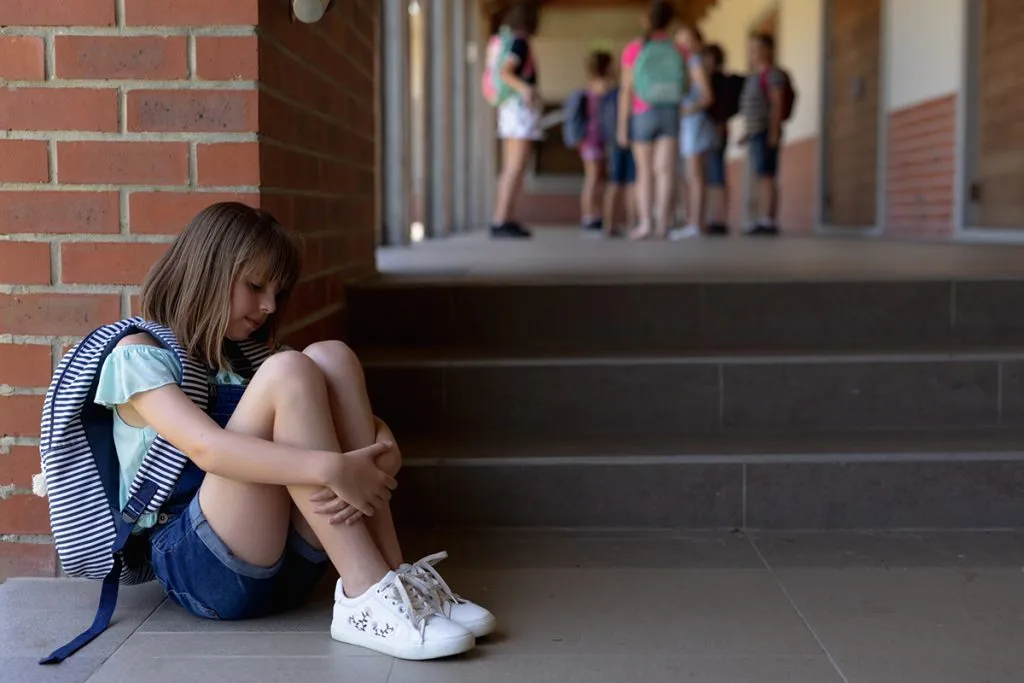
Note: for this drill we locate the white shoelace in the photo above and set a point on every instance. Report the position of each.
(413, 602)
(428, 580)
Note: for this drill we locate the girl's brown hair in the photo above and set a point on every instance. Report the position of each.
(599, 64)
(189, 288)
(524, 17)
(659, 16)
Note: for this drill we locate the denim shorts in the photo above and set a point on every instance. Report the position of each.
(199, 572)
(621, 166)
(660, 121)
(714, 167)
(697, 135)
(763, 158)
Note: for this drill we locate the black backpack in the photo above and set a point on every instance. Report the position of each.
(727, 89)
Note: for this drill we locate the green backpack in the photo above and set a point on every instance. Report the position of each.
(495, 90)
(659, 74)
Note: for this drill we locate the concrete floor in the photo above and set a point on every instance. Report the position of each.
(714, 607)
(560, 254)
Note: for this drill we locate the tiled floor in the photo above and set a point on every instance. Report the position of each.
(564, 254)
(594, 606)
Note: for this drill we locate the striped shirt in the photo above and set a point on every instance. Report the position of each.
(755, 102)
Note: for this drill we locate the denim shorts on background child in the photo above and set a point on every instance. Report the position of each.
(621, 166)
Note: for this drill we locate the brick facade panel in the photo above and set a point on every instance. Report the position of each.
(922, 169)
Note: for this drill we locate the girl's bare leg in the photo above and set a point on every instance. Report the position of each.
(287, 401)
(516, 154)
(643, 152)
(697, 189)
(664, 169)
(611, 212)
(356, 428)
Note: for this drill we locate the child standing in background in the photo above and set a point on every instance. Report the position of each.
(654, 79)
(621, 172)
(727, 89)
(595, 141)
(698, 134)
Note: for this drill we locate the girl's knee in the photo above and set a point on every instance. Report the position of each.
(334, 356)
(292, 368)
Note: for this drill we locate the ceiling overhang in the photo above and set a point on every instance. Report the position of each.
(689, 11)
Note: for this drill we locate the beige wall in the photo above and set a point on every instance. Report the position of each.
(924, 46)
(799, 51)
(567, 36)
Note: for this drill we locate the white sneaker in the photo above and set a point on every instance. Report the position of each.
(687, 232)
(396, 618)
(468, 614)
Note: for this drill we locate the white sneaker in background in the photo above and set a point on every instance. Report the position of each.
(396, 618)
(689, 231)
(472, 616)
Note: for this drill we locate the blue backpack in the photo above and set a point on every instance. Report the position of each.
(574, 125)
(81, 476)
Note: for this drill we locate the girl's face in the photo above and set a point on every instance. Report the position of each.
(252, 302)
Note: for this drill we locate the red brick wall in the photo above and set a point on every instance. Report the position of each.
(317, 159)
(922, 168)
(121, 125)
(798, 186)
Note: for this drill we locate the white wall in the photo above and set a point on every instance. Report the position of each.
(798, 45)
(568, 35)
(924, 45)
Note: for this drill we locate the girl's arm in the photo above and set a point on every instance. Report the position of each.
(699, 77)
(353, 476)
(508, 74)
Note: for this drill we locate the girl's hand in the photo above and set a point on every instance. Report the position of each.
(338, 509)
(531, 97)
(354, 477)
(390, 461)
(622, 138)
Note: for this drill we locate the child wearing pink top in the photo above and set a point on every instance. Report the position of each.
(653, 132)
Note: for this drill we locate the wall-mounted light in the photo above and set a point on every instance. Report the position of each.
(414, 8)
(310, 11)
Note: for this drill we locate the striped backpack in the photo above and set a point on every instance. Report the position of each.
(81, 477)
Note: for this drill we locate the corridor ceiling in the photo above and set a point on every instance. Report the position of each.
(689, 11)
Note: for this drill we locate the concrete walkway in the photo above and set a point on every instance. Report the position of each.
(568, 255)
(715, 607)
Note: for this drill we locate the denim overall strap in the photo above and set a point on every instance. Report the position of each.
(224, 399)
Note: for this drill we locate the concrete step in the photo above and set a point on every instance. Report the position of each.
(840, 480)
(582, 395)
(672, 316)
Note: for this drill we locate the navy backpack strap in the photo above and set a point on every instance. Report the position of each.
(108, 594)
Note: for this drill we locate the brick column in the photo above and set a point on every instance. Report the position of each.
(119, 120)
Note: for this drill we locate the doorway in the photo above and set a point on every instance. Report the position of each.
(851, 120)
(995, 162)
